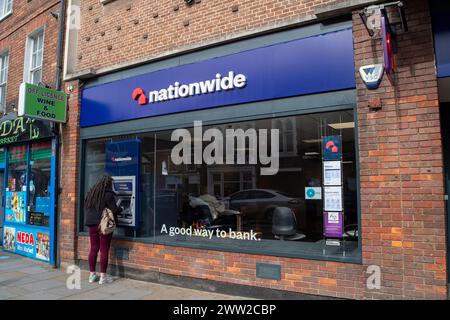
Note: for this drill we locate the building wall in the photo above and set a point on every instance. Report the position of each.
(402, 191)
(401, 164)
(128, 30)
(28, 16)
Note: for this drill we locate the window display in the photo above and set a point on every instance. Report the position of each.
(39, 187)
(29, 209)
(237, 204)
(16, 190)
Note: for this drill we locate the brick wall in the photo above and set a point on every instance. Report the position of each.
(402, 191)
(70, 150)
(139, 28)
(401, 166)
(26, 18)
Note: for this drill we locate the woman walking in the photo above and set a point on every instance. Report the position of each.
(100, 196)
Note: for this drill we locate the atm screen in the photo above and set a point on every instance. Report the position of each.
(125, 188)
(120, 186)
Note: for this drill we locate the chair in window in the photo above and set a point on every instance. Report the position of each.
(284, 224)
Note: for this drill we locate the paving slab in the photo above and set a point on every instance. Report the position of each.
(39, 295)
(42, 285)
(22, 278)
(90, 295)
(130, 294)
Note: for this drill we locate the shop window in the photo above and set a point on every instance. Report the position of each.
(5, 8)
(16, 191)
(39, 198)
(234, 206)
(4, 59)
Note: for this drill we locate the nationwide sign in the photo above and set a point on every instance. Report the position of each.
(42, 103)
(311, 65)
(177, 90)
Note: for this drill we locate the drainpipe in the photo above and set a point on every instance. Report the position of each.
(57, 129)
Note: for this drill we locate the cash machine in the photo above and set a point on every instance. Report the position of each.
(123, 164)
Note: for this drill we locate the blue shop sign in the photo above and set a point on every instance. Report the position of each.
(440, 11)
(310, 65)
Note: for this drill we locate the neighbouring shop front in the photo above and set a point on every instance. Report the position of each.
(441, 31)
(249, 147)
(27, 175)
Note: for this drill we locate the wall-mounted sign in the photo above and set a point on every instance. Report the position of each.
(372, 75)
(42, 103)
(331, 147)
(20, 129)
(388, 42)
(440, 11)
(303, 66)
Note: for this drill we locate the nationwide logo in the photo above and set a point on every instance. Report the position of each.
(120, 159)
(139, 96)
(177, 90)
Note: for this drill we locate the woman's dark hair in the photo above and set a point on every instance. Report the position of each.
(95, 196)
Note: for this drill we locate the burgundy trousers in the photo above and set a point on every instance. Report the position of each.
(98, 242)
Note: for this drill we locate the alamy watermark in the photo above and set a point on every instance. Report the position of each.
(373, 282)
(74, 17)
(73, 281)
(237, 150)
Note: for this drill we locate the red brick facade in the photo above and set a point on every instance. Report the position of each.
(401, 166)
(403, 226)
(28, 16)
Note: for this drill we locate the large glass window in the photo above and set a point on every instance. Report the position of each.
(39, 202)
(16, 191)
(234, 202)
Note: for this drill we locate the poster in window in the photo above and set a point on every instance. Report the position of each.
(332, 224)
(15, 207)
(332, 173)
(333, 198)
(42, 246)
(331, 148)
(9, 239)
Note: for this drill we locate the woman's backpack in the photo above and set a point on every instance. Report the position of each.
(107, 224)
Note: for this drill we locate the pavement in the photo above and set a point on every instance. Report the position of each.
(23, 278)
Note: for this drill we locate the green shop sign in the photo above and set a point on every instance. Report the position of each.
(42, 103)
(21, 129)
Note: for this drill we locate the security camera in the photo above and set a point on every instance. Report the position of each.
(189, 2)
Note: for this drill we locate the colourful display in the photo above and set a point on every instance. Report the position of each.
(27, 241)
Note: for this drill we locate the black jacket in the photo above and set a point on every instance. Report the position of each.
(93, 217)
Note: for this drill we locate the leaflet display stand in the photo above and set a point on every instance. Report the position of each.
(332, 183)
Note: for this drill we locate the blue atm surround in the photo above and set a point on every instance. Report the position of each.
(123, 159)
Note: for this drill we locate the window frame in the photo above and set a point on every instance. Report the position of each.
(4, 12)
(29, 71)
(4, 55)
(304, 253)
